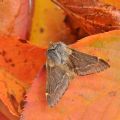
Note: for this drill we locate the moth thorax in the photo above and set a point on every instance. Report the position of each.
(58, 53)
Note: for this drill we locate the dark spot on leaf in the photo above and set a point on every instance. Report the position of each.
(13, 101)
(109, 24)
(41, 30)
(1, 0)
(3, 53)
(13, 65)
(19, 52)
(72, 100)
(16, 82)
(17, 45)
(112, 93)
(25, 61)
(108, 60)
(23, 41)
(22, 103)
(7, 60)
(66, 19)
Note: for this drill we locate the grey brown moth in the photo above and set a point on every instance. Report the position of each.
(63, 63)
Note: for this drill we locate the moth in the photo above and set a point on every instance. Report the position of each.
(63, 64)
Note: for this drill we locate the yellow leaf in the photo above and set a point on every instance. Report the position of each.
(48, 24)
(11, 92)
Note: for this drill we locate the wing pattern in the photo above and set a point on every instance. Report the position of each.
(57, 83)
(84, 64)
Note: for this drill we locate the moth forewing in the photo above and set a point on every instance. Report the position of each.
(57, 83)
(85, 64)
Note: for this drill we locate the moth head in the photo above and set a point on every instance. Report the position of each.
(58, 53)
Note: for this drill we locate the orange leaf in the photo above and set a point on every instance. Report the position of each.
(4, 110)
(20, 58)
(12, 92)
(91, 97)
(19, 61)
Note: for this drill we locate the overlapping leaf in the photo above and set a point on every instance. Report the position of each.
(5, 113)
(14, 17)
(22, 22)
(2, 117)
(92, 97)
(12, 92)
(23, 61)
(48, 24)
(90, 16)
(20, 57)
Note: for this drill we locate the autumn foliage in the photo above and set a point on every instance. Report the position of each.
(26, 30)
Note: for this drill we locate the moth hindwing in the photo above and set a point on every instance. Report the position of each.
(63, 64)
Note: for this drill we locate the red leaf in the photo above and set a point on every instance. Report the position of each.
(22, 23)
(15, 17)
(90, 16)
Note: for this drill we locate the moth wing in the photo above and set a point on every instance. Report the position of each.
(57, 83)
(84, 64)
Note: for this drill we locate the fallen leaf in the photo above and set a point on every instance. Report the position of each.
(20, 58)
(9, 9)
(88, 17)
(92, 97)
(48, 25)
(19, 63)
(12, 92)
(2, 117)
(5, 112)
(22, 22)
(15, 17)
